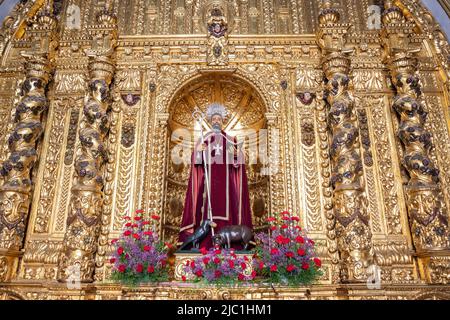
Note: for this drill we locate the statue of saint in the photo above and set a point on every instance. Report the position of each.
(223, 159)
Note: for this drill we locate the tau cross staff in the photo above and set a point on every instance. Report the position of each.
(200, 117)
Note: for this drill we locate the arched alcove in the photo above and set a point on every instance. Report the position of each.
(246, 120)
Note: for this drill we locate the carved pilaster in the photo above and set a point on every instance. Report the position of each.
(87, 194)
(16, 169)
(428, 216)
(353, 233)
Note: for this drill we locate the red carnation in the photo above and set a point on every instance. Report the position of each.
(318, 262)
(183, 278)
(274, 268)
(139, 211)
(163, 262)
(241, 277)
(148, 233)
(122, 268)
(192, 264)
(305, 266)
(299, 239)
(271, 219)
(168, 245)
(253, 274)
(301, 252)
(203, 250)
(311, 241)
(128, 224)
(155, 217)
(261, 265)
(231, 264)
(205, 260)
(144, 223)
(245, 258)
(126, 218)
(137, 218)
(284, 226)
(151, 269)
(279, 239)
(199, 273)
(216, 260)
(273, 228)
(136, 236)
(285, 213)
(243, 266)
(290, 268)
(127, 233)
(217, 273)
(217, 251)
(146, 248)
(120, 251)
(286, 218)
(274, 251)
(286, 240)
(139, 268)
(112, 260)
(114, 241)
(289, 254)
(135, 225)
(294, 218)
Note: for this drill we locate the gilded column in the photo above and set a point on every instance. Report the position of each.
(85, 211)
(428, 217)
(353, 233)
(16, 169)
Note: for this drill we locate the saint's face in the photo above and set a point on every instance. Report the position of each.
(216, 122)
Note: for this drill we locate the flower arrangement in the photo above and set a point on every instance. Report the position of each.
(286, 255)
(139, 255)
(220, 266)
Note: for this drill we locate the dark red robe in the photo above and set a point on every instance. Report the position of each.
(230, 201)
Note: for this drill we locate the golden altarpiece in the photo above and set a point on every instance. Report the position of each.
(355, 107)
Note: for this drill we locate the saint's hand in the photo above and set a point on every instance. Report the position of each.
(201, 147)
